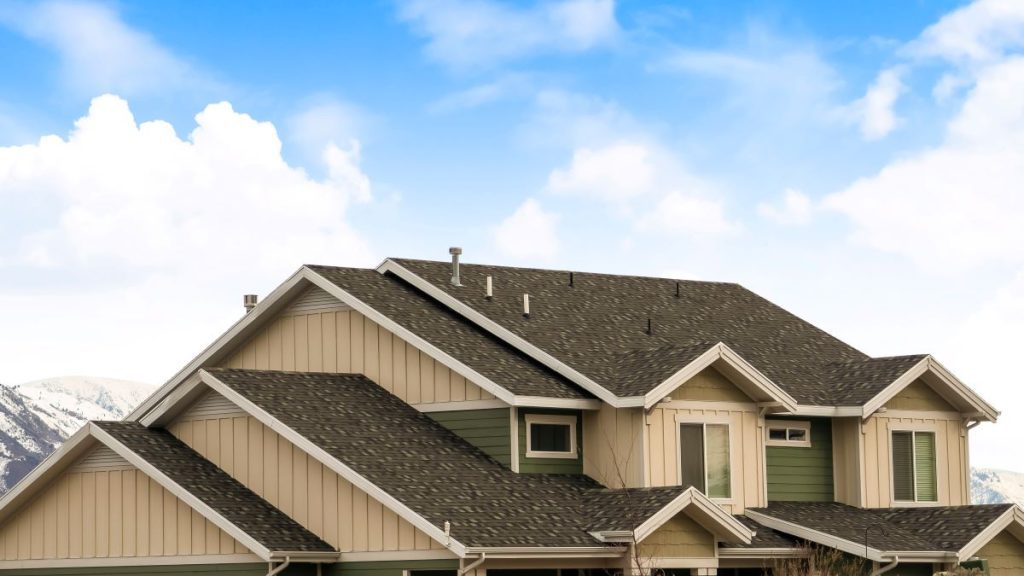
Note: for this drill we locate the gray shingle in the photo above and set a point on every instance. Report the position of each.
(211, 485)
(626, 509)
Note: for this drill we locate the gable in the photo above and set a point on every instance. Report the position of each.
(314, 299)
(709, 385)
(1005, 555)
(679, 537)
(919, 396)
(103, 507)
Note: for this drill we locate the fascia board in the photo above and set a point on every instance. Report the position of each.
(1012, 515)
(334, 464)
(818, 537)
(499, 331)
(929, 364)
(691, 497)
(73, 447)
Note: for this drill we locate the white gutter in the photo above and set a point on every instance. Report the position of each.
(473, 565)
(887, 567)
(280, 567)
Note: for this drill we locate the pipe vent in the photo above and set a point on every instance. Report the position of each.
(526, 305)
(490, 288)
(455, 251)
(249, 301)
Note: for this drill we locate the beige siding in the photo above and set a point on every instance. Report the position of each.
(613, 440)
(951, 451)
(301, 487)
(91, 512)
(346, 341)
(846, 460)
(709, 385)
(680, 537)
(1005, 555)
(919, 396)
(746, 451)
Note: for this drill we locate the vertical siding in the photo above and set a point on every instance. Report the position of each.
(488, 430)
(299, 485)
(346, 341)
(919, 396)
(680, 537)
(846, 459)
(97, 513)
(1005, 555)
(802, 474)
(613, 440)
(550, 465)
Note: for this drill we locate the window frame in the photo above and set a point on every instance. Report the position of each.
(714, 421)
(914, 431)
(788, 425)
(569, 420)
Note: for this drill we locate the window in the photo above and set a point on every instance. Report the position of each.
(704, 458)
(550, 436)
(786, 433)
(914, 477)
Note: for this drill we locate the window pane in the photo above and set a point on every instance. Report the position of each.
(550, 437)
(798, 434)
(903, 466)
(776, 433)
(691, 455)
(719, 473)
(924, 456)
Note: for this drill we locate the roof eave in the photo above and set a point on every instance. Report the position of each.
(929, 365)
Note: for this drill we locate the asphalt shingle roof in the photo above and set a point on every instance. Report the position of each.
(422, 464)
(764, 537)
(942, 528)
(451, 333)
(598, 326)
(625, 509)
(215, 488)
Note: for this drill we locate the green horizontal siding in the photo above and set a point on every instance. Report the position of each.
(799, 474)
(247, 569)
(550, 465)
(488, 430)
(387, 568)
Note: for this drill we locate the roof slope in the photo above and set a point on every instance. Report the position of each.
(451, 333)
(599, 324)
(940, 528)
(614, 510)
(215, 488)
(422, 464)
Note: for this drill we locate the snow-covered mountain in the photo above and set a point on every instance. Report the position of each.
(991, 486)
(36, 417)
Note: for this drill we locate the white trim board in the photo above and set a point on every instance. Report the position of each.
(709, 515)
(141, 561)
(942, 381)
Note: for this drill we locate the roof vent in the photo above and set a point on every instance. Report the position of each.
(490, 288)
(526, 305)
(571, 280)
(249, 301)
(455, 251)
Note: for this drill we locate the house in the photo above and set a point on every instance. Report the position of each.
(433, 419)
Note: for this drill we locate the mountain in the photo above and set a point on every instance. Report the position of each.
(36, 417)
(991, 486)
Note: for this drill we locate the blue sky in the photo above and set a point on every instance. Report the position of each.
(858, 163)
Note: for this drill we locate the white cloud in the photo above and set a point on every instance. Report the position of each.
(144, 224)
(874, 112)
(680, 214)
(98, 51)
(617, 173)
(466, 33)
(978, 32)
(958, 205)
(504, 87)
(528, 233)
(794, 209)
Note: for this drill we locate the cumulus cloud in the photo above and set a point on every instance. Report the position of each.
(874, 112)
(470, 33)
(528, 233)
(794, 209)
(617, 173)
(159, 234)
(981, 31)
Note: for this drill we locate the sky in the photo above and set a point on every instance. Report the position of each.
(861, 164)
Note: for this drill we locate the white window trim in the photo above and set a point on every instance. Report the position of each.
(804, 425)
(705, 420)
(563, 419)
(914, 431)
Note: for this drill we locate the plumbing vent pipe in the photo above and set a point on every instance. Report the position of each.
(490, 288)
(455, 251)
(526, 305)
(249, 301)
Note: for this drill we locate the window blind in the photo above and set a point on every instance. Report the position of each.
(691, 455)
(903, 466)
(924, 458)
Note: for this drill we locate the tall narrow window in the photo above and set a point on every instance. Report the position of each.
(704, 458)
(914, 470)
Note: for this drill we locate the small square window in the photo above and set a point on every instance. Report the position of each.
(550, 436)
(788, 433)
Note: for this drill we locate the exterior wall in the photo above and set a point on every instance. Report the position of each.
(346, 341)
(950, 448)
(680, 537)
(846, 460)
(802, 474)
(1005, 555)
(919, 396)
(613, 442)
(709, 395)
(114, 511)
(488, 430)
(550, 465)
(391, 568)
(297, 484)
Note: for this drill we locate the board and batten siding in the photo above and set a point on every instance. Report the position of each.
(489, 430)
(613, 446)
(299, 485)
(550, 465)
(345, 341)
(94, 510)
(1005, 555)
(846, 460)
(679, 537)
(802, 473)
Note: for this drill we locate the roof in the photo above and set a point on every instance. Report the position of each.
(451, 333)
(856, 382)
(624, 510)
(932, 529)
(764, 537)
(215, 488)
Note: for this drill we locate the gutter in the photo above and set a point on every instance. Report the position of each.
(473, 565)
(887, 567)
(280, 567)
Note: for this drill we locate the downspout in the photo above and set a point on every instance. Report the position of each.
(887, 567)
(471, 567)
(280, 567)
